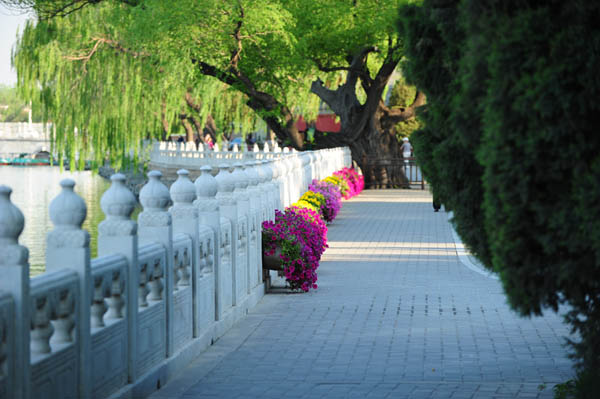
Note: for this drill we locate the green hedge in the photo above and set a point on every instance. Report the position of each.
(511, 144)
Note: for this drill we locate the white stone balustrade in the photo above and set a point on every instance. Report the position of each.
(161, 290)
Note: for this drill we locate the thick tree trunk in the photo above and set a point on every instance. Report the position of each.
(189, 131)
(376, 151)
(368, 128)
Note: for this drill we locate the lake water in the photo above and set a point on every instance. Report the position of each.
(34, 187)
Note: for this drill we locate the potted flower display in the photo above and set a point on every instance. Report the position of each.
(294, 243)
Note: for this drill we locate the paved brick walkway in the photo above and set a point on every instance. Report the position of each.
(397, 314)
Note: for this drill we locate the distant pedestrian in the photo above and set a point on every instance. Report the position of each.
(406, 147)
(208, 141)
(436, 203)
(250, 140)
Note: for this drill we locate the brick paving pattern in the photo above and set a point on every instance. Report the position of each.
(396, 315)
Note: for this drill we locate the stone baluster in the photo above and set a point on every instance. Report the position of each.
(274, 164)
(320, 174)
(209, 215)
(289, 179)
(228, 209)
(269, 187)
(298, 176)
(281, 171)
(14, 267)
(117, 234)
(305, 156)
(313, 166)
(68, 247)
(255, 225)
(283, 191)
(264, 196)
(185, 220)
(242, 199)
(155, 225)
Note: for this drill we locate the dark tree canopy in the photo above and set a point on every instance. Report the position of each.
(511, 145)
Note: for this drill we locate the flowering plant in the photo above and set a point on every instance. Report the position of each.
(341, 183)
(332, 195)
(301, 236)
(308, 205)
(355, 182)
(312, 200)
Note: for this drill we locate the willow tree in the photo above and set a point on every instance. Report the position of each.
(104, 88)
(119, 67)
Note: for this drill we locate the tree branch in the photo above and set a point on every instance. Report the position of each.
(393, 116)
(191, 103)
(235, 57)
(327, 95)
(47, 9)
(324, 68)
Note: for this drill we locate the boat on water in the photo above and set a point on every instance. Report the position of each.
(41, 158)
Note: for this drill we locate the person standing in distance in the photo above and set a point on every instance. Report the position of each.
(406, 148)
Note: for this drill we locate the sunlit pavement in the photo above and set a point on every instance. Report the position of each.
(397, 314)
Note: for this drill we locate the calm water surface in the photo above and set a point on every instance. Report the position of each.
(34, 187)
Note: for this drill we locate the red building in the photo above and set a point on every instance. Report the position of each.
(325, 123)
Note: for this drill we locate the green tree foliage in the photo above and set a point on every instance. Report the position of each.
(510, 145)
(106, 89)
(401, 96)
(122, 70)
(14, 109)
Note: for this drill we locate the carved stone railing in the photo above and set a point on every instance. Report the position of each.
(162, 289)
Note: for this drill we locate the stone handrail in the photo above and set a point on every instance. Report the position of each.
(162, 289)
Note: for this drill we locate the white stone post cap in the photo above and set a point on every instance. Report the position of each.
(241, 178)
(183, 190)
(155, 195)
(118, 201)
(68, 210)
(206, 184)
(11, 218)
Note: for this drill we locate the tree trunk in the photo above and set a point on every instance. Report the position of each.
(368, 128)
(376, 151)
(189, 131)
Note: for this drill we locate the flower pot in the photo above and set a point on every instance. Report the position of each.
(272, 262)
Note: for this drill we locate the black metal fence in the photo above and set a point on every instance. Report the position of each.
(408, 166)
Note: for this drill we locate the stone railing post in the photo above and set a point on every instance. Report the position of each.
(155, 225)
(307, 172)
(117, 234)
(228, 209)
(68, 247)
(242, 199)
(264, 195)
(274, 164)
(267, 167)
(185, 220)
(14, 267)
(255, 259)
(289, 179)
(298, 176)
(209, 215)
(280, 182)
